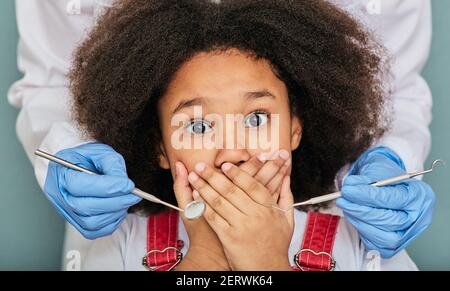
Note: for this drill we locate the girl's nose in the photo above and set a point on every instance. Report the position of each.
(234, 156)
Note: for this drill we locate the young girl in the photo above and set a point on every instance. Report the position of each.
(302, 71)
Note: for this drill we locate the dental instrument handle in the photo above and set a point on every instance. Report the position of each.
(336, 195)
(135, 191)
(150, 197)
(392, 180)
(320, 199)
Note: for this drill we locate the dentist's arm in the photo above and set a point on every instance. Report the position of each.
(49, 33)
(406, 31)
(389, 218)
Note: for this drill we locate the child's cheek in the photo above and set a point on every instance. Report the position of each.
(191, 157)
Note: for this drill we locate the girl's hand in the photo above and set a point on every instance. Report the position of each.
(254, 235)
(205, 250)
(269, 171)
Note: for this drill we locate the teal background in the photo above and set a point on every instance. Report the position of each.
(431, 251)
(31, 232)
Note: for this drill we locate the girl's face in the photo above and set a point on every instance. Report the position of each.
(217, 104)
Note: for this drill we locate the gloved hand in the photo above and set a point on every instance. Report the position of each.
(387, 218)
(94, 205)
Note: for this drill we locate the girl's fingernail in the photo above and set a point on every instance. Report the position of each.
(195, 194)
(284, 154)
(200, 167)
(262, 157)
(226, 167)
(193, 177)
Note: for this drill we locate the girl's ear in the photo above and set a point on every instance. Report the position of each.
(296, 133)
(163, 160)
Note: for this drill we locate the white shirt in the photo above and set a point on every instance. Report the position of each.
(50, 30)
(124, 250)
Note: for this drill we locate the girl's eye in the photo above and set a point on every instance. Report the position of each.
(256, 119)
(199, 127)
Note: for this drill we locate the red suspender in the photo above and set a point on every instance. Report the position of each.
(163, 246)
(317, 247)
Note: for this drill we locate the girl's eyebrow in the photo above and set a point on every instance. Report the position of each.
(259, 94)
(188, 103)
(250, 96)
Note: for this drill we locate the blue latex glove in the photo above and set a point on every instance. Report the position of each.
(387, 218)
(94, 205)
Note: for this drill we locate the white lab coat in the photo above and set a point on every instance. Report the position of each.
(51, 29)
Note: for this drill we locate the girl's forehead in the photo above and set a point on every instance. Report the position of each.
(224, 77)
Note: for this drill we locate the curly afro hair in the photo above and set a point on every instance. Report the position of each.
(331, 66)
